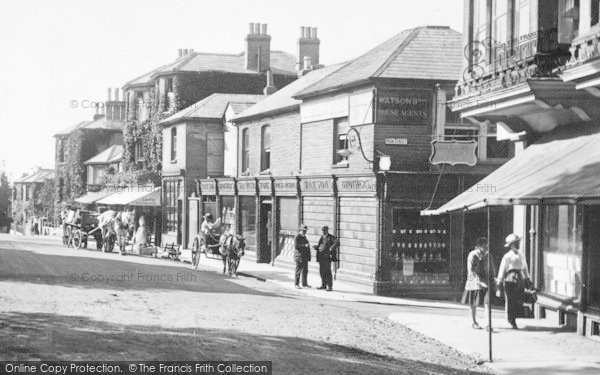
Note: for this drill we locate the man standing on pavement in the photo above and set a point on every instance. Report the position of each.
(301, 256)
(326, 252)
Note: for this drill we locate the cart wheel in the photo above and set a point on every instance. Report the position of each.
(196, 253)
(77, 239)
(69, 233)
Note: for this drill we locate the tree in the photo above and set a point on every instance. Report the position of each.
(4, 200)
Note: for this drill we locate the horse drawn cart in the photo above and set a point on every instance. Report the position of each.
(78, 226)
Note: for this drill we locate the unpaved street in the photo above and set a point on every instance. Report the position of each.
(59, 303)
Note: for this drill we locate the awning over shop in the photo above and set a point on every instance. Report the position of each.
(93, 196)
(563, 167)
(142, 197)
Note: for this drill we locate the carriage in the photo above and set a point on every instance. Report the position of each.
(79, 226)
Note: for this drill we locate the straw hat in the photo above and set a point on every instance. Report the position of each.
(510, 239)
(303, 227)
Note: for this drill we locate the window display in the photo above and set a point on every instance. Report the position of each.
(419, 251)
(248, 221)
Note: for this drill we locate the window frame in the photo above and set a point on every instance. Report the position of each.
(245, 154)
(339, 136)
(265, 149)
(173, 137)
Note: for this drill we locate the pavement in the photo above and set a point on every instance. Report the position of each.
(538, 347)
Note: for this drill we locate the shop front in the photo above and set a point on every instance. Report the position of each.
(553, 190)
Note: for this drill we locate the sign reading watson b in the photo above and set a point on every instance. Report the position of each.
(403, 107)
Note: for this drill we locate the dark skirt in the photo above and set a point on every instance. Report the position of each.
(474, 297)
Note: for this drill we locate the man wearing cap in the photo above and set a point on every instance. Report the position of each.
(512, 272)
(301, 256)
(326, 252)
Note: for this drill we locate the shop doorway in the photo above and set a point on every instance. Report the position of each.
(592, 223)
(266, 234)
(179, 221)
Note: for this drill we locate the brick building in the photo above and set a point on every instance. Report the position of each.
(193, 147)
(290, 170)
(84, 140)
(194, 76)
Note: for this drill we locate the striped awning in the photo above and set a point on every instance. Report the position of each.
(141, 197)
(562, 167)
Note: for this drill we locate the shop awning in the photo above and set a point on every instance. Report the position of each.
(142, 197)
(93, 196)
(562, 167)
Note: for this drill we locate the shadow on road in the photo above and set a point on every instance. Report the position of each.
(37, 336)
(29, 266)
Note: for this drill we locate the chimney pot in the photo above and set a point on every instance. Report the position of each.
(192, 50)
(180, 52)
(264, 29)
(314, 33)
(257, 28)
(301, 31)
(251, 25)
(109, 95)
(307, 63)
(116, 94)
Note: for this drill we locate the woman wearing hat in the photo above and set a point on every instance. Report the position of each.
(476, 288)
(512, 272)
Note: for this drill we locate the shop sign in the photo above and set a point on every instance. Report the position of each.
(265, 187)
(226, 187)
(454, 152)
(208, 187)
(289, 186)
(396, 141)
(314, 185)
(403, 107)
(246, 187)
(357, 185)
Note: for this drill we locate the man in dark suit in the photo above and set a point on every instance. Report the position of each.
(326, 252)
(301, 257)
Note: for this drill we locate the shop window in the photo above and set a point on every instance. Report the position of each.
(418, 252)
(173, 144)
(171, 194)
(265, 157)
(228, 211)
(248, 221)
(209, 205)
(339, 142)
(245, 150)
(562, 250)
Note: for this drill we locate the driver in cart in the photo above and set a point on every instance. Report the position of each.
(208, 229)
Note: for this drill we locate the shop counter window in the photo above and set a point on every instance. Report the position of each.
(171, 194)
(248, 221)
(418, 252)
(228, 211)
(562, 249)
(209, 205)
(288, 225)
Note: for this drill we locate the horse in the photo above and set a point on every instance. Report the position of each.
(115, 223)
(231, 250)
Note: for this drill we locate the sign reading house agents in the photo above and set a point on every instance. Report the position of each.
(403, 107)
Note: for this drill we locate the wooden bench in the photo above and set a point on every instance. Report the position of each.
(172, 250)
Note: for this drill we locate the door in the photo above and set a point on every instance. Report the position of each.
(179, 221)
(592, 248)
(266, 234)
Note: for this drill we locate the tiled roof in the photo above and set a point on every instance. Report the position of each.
(72, 128)
(103, 123)
(241, 107)
(39, 176)
(144, 79)
(112, 154)
(425, 53)
(211, 107)
(284, 98)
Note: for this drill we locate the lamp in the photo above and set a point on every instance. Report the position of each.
(384, 161)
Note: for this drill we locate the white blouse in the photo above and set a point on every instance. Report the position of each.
(512, 261)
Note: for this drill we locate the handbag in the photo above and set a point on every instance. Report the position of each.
(530, 295)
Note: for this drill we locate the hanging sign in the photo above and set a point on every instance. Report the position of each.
(454, 152)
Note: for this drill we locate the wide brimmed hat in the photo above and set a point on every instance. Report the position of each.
(303, 227)
(510, 239)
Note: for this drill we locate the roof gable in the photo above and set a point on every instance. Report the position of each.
(112, 154)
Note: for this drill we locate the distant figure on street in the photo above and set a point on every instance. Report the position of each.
(301, 257)
(476, 288)
(326, 252)
(511, 276)
(36, 226)
(208, 227)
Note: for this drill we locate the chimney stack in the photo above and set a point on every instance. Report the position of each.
(308, 46)
(258, 48)
(270, 88)
(109, 94)
(180, 53)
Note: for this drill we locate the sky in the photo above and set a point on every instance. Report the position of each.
(54, 53)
